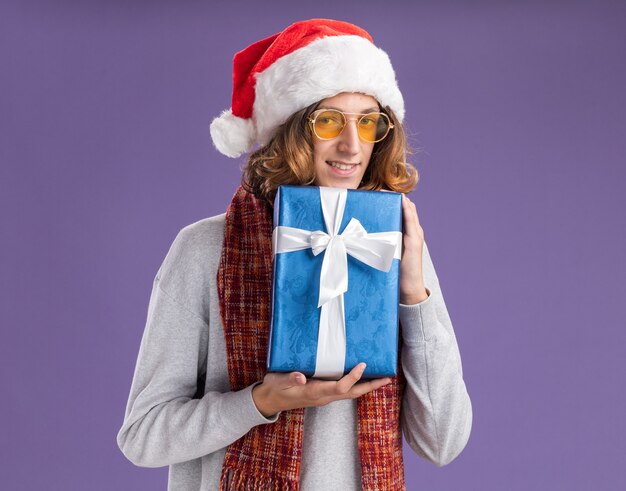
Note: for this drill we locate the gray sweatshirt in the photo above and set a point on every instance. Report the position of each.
(182, 413)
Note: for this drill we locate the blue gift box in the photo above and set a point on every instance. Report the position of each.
(370, 304)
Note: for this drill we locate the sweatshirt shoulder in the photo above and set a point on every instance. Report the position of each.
(206, 233)
(193, 256)
(201, 237)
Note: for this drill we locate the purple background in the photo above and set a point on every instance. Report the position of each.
(519, 112)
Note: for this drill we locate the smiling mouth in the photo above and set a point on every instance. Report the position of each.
(340, 165)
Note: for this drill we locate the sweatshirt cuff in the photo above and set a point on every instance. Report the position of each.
(243, 404)
(271, 419)
(420, 323)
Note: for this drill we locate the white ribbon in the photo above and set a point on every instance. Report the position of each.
(376, 250)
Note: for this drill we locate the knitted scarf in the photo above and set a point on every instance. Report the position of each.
(268, 456)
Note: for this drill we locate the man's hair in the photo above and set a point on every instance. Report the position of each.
(288, 159)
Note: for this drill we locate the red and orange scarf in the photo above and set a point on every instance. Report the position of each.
(268, 456)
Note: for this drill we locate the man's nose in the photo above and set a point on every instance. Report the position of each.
(349, 138)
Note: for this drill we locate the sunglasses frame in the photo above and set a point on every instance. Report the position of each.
(317, 112)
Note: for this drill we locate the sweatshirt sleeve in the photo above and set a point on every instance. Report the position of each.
(436, 409)
(165, 423)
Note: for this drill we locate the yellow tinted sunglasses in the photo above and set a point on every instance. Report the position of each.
(330, 123)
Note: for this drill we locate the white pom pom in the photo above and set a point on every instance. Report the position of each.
(232, 135)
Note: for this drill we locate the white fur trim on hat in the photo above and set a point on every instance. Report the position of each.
(231, 135)
(322, 69)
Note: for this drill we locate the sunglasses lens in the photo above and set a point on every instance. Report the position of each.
(328, 124)
(373, 127)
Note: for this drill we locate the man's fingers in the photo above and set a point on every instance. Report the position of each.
(284, 381)
(347, 382)
(409, 210)
(412, 228)
(365, 387)
(296, 379)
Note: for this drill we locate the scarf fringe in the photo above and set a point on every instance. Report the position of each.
(236, 480)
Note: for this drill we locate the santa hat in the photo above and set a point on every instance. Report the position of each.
(284, 73)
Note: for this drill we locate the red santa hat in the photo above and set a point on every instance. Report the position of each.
(284, 73)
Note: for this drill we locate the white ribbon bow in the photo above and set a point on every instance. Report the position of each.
(376, 250)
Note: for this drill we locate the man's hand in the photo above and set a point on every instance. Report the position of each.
(284, 391)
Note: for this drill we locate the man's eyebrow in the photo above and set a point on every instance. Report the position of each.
(365, 111)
